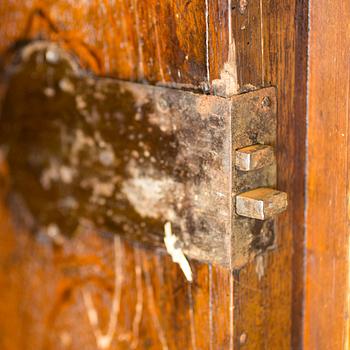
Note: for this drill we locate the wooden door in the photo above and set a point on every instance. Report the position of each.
(98, 292)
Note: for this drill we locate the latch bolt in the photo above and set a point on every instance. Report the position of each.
(261, 203)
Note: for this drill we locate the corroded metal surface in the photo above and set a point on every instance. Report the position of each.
(254, 157)
(261, 203)
(126, 158)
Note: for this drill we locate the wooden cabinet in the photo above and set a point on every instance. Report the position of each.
(96, 290)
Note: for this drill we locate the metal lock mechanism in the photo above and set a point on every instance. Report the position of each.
(127, 158)
(261, 203)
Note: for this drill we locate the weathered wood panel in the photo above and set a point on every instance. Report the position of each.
(262, 303)
(327, 240)
(242, 310)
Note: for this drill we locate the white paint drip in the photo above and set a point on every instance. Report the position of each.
(176, 253)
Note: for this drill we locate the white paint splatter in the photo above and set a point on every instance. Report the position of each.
(150, 193)
(54, 233)
(52, 55)
(55, 173)
(66, 85)
(175, 252)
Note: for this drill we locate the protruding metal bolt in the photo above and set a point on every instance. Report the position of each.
(254, 157)
(261, 203)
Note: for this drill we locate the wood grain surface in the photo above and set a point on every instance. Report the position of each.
(94, 292)
(327, 239)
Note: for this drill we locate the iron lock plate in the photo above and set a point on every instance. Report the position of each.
(126, 158)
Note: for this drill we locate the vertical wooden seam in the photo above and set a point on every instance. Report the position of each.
(140, 70)
(301, 111)
(262, 43)
(207, 62)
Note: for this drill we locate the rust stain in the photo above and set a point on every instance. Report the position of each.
(108, 154)
(127, 158)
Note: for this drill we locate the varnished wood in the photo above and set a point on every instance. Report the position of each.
(261, 303)
(219, 310)
(327, 240)
(131, 39)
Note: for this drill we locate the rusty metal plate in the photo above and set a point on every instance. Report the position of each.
(126, 158)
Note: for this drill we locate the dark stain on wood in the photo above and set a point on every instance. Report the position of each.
(126, 158)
